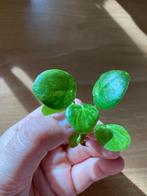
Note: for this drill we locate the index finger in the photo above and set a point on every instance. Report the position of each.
(91, 149)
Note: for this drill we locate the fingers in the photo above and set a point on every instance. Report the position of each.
(57, 169)
(30, 140)
(94, 169)
(91, 149)
(78, 101)
(95, 149)
(37, 125)
(67, 177)
(41, 184)
(39, 121)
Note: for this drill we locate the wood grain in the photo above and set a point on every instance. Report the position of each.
(84, 37)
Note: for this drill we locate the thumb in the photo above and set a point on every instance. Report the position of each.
(23, 146)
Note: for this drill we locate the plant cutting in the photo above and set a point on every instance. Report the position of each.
(56, 89)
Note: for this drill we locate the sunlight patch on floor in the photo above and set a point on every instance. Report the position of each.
(10, 106)
(22, 76)
(138, 177)
(125, 21)
(4, 88)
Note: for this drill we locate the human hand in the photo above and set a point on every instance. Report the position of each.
(36, 160)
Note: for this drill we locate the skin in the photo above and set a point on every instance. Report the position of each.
(36, 160)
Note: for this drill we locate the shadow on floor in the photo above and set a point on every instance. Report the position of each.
(20, 91)
(113, 186)
(137, 10)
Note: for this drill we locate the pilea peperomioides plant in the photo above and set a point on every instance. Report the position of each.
(56, 89)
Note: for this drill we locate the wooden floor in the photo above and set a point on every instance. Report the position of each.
(84, 37)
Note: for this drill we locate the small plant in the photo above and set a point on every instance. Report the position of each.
(56, 89)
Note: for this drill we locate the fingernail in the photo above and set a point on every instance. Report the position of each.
(99, 122)
(110, 155)
(78, 101)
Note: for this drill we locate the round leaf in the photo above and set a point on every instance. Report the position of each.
(113, 137)
(110, 88)
(82, 117)
(55, 88)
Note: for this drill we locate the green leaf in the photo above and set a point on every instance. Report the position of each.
(110, 88)
(82, 117)
(76, 139)
(113, 137)
(48, 111)
(73, 140)
(55, 88)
